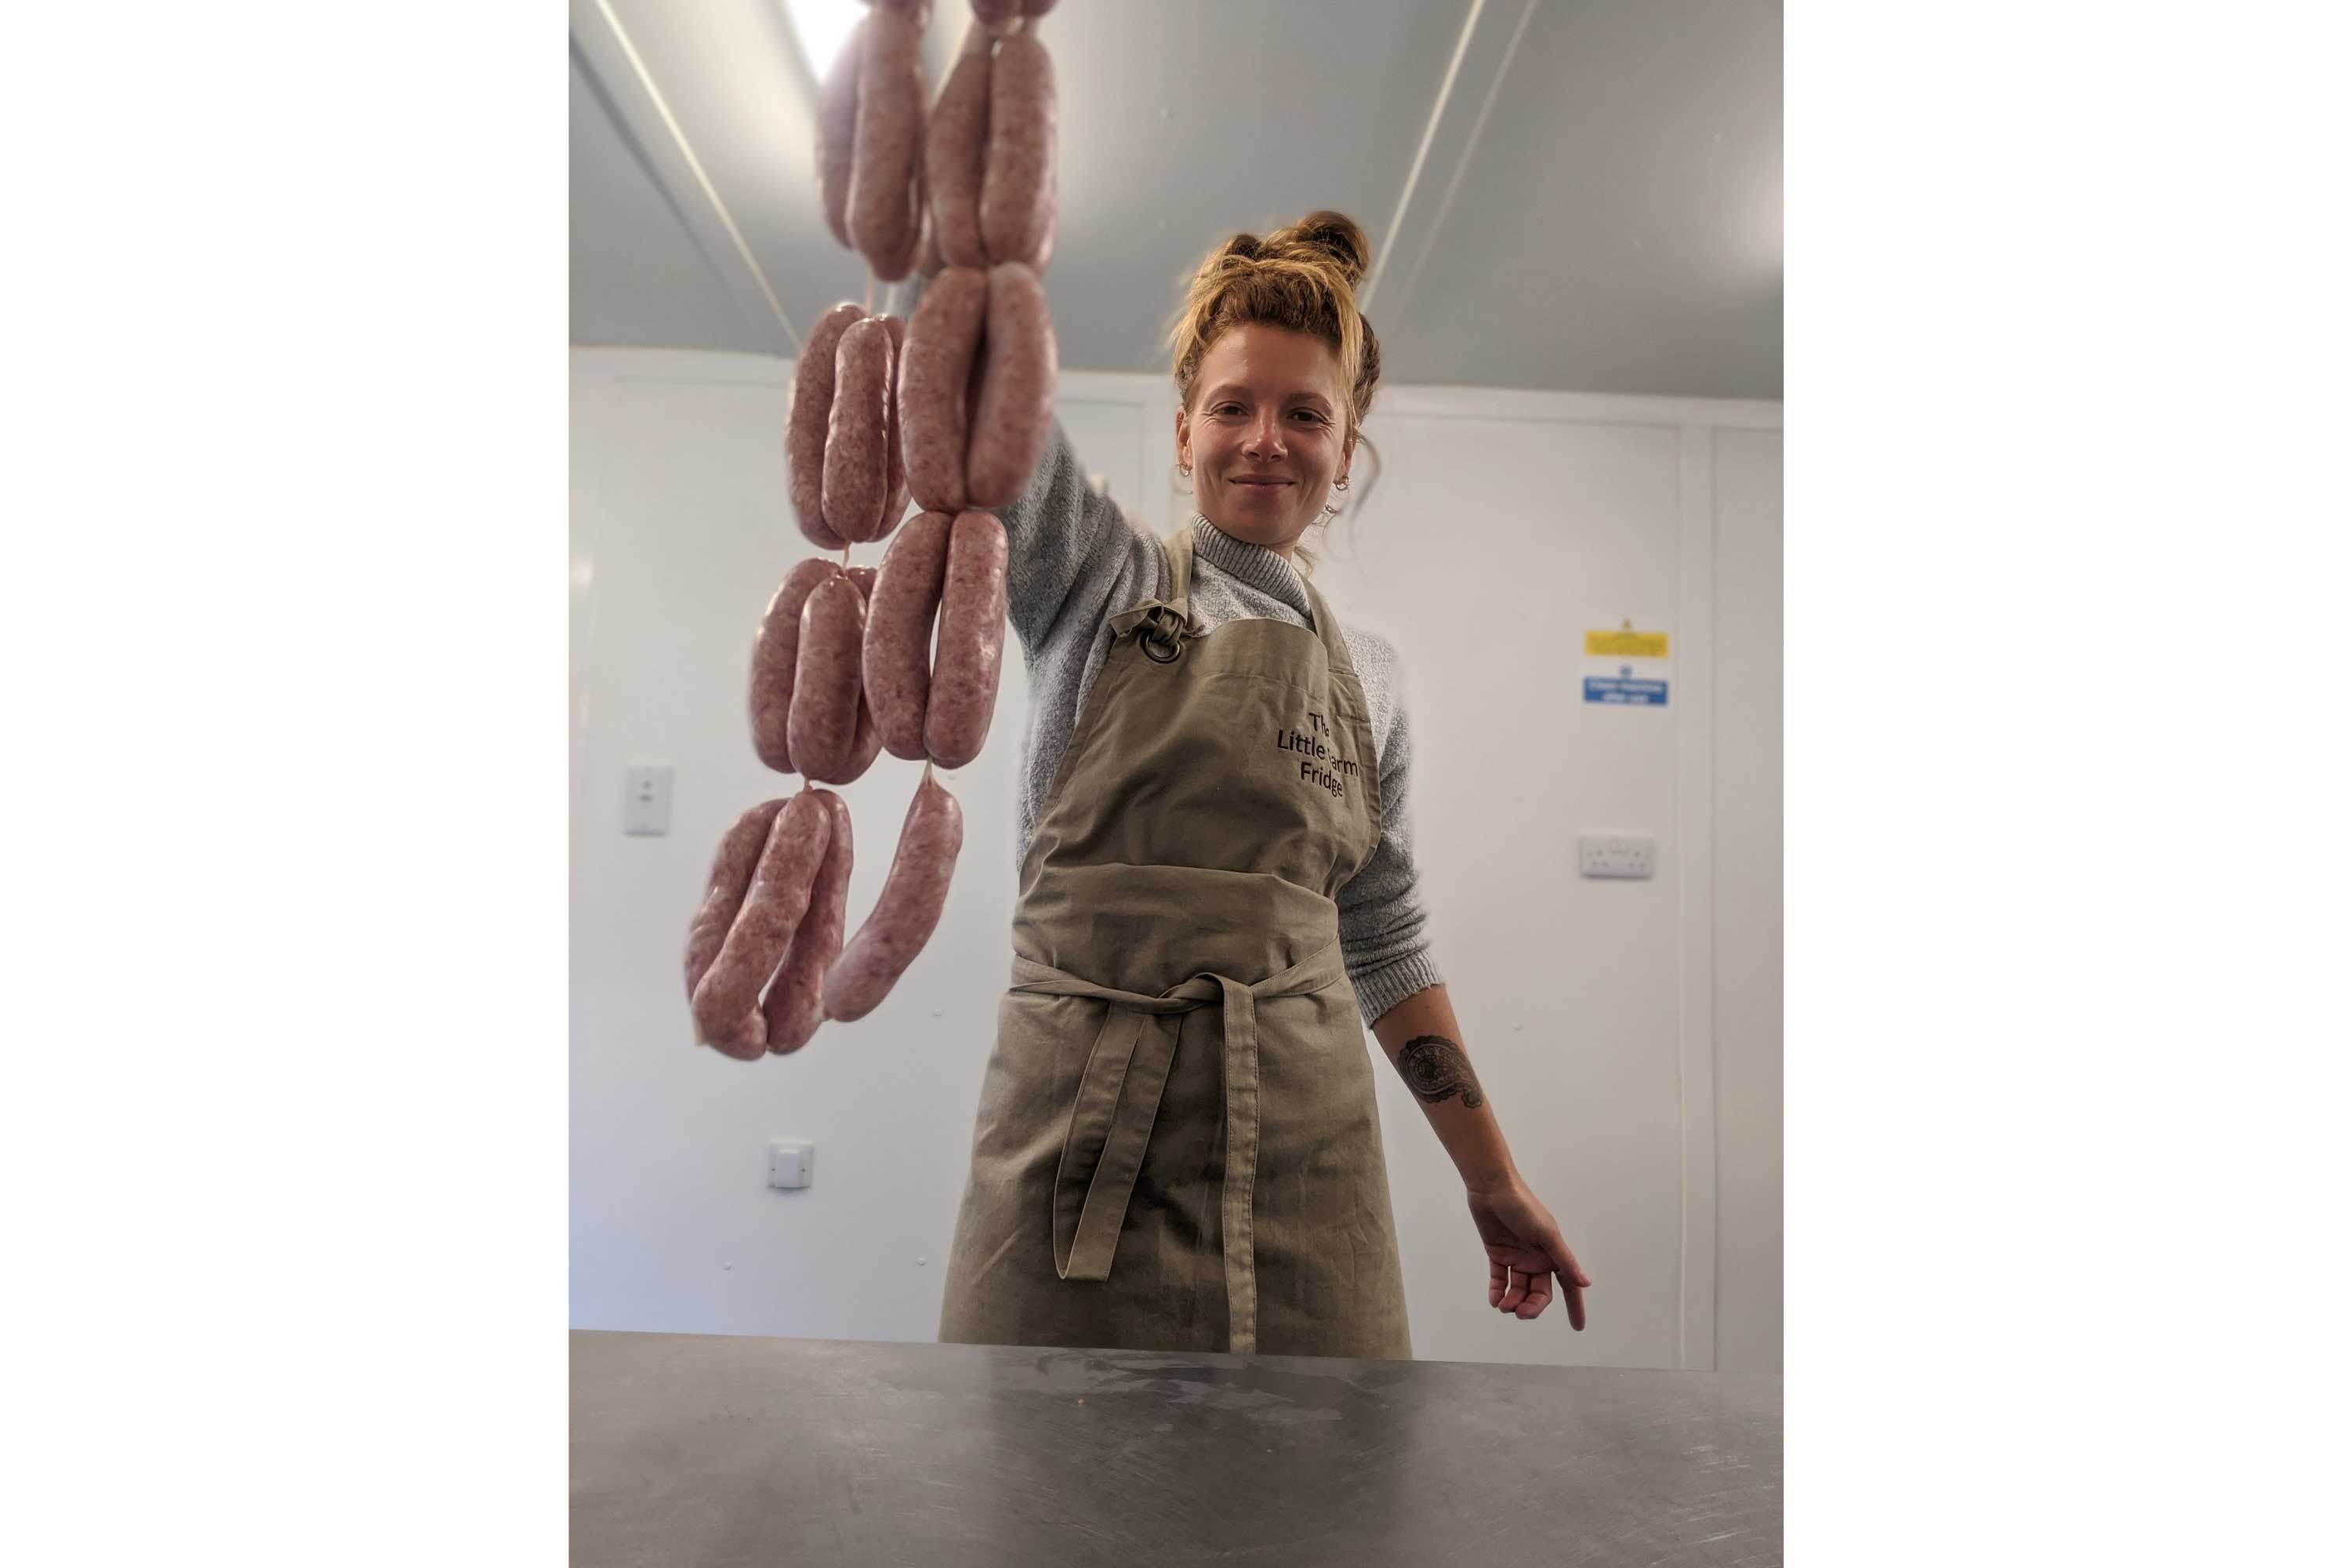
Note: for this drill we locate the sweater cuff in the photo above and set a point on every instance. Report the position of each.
(1378, 990)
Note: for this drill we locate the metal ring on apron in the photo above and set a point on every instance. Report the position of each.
(1158, 635)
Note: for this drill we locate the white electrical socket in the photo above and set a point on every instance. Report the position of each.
(1617, 854)
(788, 1164)
(644, 805)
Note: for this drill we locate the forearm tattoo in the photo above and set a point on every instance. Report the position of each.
(1434, 1069)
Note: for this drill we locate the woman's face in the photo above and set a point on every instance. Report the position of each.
(1265, 435)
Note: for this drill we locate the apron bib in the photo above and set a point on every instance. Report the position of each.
(1178, 1143)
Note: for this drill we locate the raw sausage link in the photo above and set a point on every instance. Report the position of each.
(908, 909)
(869, 744)
(836, 131)
(942, 351)
(795, 1000)
(730, 878)
(971, 642)
(857, 434)
(727, 1002)
(889, 143)
(1017, 192)
(894, 511)
(775, 658)
(822, 725)
(905, 602)
(955, 154)
(1015, 412)
(810, 417)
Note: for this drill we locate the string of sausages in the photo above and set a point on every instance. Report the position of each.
(952, 407)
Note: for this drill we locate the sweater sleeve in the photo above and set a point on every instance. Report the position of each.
(1068, 545)
(1383, 927)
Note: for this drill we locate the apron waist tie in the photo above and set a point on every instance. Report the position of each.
(1118, 1100)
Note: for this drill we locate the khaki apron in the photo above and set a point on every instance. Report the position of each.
(1178, 1145)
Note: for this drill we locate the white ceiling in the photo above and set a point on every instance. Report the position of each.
(1569, 194)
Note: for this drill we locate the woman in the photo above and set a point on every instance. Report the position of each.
(1178, 1145)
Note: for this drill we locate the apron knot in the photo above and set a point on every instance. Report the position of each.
(1118, 1100)
(1165, 626)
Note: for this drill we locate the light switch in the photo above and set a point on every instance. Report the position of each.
(788, 1164)
(645, 808)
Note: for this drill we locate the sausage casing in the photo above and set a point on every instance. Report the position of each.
(1015, 411)
(904, 604)
(895, 510)
(955, 152)
(908, 909)
(857, 433)
(727, 1000)
(810, 418)
(869, 744)
(888, 144)
(1017, 188)
(730, 880)
(794, 1006)
(971, 642)
(942, 350)
(775, 661)
(836, 131)
(822, 724)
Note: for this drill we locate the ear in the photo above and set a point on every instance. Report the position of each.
(1183, 431)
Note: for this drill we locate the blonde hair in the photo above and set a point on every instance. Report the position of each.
(1302, 277)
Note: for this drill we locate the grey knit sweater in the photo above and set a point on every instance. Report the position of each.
(1077, 560)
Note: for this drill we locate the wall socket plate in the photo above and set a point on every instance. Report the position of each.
(789, 1163)
(1617, 854)
(644, 801)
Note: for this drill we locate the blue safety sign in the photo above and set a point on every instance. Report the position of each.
(1618, 691)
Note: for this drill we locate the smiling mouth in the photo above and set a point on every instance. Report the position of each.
(1261, 484)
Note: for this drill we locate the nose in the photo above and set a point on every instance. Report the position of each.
(1265, 436)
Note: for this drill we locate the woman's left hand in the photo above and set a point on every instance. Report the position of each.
(1523, 1250)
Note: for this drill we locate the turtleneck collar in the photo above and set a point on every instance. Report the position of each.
(1253, 563)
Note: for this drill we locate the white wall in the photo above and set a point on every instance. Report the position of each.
(1628, 1032)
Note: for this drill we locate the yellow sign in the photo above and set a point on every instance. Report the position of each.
(1626, 644)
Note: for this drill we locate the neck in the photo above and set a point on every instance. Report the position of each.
(1287, 549)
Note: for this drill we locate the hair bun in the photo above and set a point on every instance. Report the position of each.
(1333, 235)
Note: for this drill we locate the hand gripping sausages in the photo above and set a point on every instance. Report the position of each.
(905, 602)
(955, 148)
(836, 131)
(908, 909)
(942, 346)
(888, 144)
(730, 878)
(1015, 412)
(1017, 192)
(775, 659)
(857, 433)
(809, 419)
(971, 642)
(821, 726)
(727, 1000)
(795, 1000)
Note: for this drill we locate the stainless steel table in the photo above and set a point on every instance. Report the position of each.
(697, 1450)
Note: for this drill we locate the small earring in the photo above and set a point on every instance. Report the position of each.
(1340, 486)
